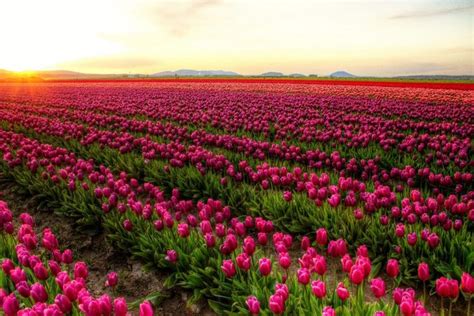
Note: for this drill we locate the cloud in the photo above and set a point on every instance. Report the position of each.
(180, 18)
(432, 13)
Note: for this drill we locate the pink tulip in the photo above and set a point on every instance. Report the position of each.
(303, 276)
(253, 305)
(378, 287)
(276, 304)
(322, 236)
(467, 283)
(120, 307)
(171, 256)
(228, 268)
(392, 268)
(319, 288)
(423, 272)
(146, 309)
(80, 270)
(112, 279)
(63, 302)
(11, 305)
(265, 266)
(342, 291)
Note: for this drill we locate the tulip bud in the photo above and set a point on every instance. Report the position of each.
(265, 266)
(228, 268)
(423, 272)
(392, 268)
(319, 288)
(342, 292)
(253, 305)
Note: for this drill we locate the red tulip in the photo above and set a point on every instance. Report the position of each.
(423, 272)
(322, 236)
(356, 274)
(392, 268)
(284, 260)
(467, 283)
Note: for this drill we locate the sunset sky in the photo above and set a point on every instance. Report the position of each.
(247, 36)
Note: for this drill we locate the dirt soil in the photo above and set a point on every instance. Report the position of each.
(134, 282)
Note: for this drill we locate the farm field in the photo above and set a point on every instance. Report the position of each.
(236, 197)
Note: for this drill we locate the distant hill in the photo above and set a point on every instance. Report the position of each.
(272, 74)
(296, 75)
(341, 74)
(195, 73)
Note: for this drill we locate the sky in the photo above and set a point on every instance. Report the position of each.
(376, 38)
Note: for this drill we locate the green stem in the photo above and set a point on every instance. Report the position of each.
(450, 307)
(469, 305)
(424, 293)
(442, 307)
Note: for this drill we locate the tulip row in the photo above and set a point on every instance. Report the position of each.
(138, 231)
(411, 211)
(256, 149)
(37, 278)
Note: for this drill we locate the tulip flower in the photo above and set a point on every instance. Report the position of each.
(284, 260)
(112, 279)
(253, 305)
(228, 268)
(378, 287)
(183, 230)
(243, 261)
(120, 307)
(38, 293)
(356, 274)
(392, 268)
(80, 270)
(328, 311)
(10, 305)
(127, 225)
(171, 256)
(322, 236)
(276, 304)
(265, 266)
(319, 288)
(146, 309)
(63, 302)
(467, 283)
(342, 292)
(303, 276)
(249, 245)
(433, 240)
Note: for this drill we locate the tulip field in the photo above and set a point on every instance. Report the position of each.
(257, 197)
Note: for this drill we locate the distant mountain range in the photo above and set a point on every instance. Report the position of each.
(40, 75)
(196, 73)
